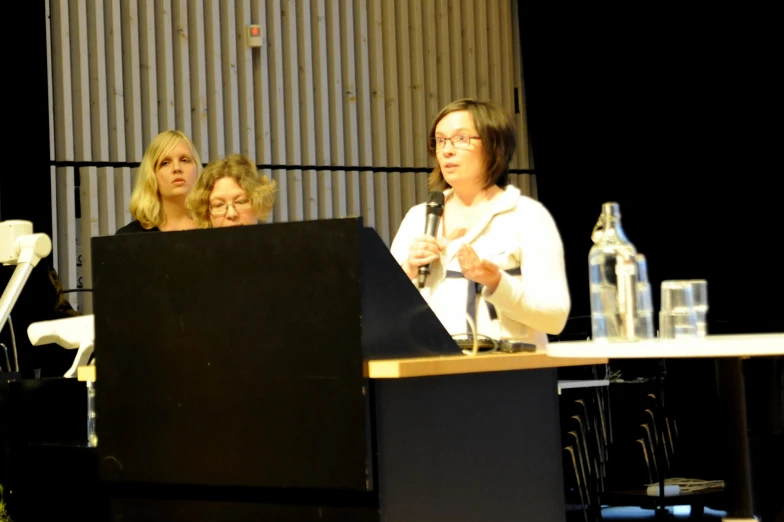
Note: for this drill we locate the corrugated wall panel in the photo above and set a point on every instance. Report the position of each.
(323, 93)
(228, 77)
(468, 47)
(181, 68)
(200, 130)
(401, 187)
(481, 43)
(123, 178)
(99, 118)
(339, 94)
(55, 216)
(262, 86)
(280, 210)
(107, 217)
(62, 97)
(49, 87)
(277, 117)
(132, 90)
(290, 98)
(164, 63)
(67, 252)
(114, 81)
(335, 105)
(148, 71)
(212, 58)
(304, 57)
(499, 71)
(419, 94)
(80, 80)
(245, 90)
(455, 49)
(307, 55)
(331, 96)
(357, 36)
(439, 46)
(89, 227)
(522, 159)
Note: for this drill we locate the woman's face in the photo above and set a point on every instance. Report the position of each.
(461, 166)
(176, 172)
(230, 206)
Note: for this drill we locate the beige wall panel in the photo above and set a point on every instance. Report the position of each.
(335, 106)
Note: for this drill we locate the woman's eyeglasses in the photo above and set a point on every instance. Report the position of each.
(461, 141)
(221, 207)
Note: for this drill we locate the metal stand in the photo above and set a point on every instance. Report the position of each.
(661, 512)
(12, 291)
(732, 400)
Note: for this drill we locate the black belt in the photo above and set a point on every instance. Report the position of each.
(471, 297)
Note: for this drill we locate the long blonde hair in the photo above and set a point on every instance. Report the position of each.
(145, 200)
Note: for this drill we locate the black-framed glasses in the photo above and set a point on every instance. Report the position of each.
(461, 141)
(221, 207)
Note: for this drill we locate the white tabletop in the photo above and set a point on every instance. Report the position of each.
(744, 345)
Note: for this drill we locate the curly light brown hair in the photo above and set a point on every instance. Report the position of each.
(258, 187)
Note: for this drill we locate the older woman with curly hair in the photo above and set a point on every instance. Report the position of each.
(230, 192)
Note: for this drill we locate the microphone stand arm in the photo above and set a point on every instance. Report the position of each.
(24, 251)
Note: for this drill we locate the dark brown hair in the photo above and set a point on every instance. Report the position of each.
(499, 139)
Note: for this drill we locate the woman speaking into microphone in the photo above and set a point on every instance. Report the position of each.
(496, 259)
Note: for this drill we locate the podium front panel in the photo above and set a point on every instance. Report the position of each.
(232, 357)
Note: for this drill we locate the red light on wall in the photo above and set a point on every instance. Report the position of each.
(253, 36)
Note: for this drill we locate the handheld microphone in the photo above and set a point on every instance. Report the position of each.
(434, 210)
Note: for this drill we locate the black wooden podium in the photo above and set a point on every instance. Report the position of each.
(230, 361)
(233, 385)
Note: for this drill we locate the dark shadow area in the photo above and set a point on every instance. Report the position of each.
(668, 111)
(24, 184)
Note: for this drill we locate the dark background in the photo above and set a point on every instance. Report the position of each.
(666, 109)
(25, 191)
(666, 112)
(669, 111)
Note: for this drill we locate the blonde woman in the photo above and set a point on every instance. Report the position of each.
(231, 193)
(169, 169)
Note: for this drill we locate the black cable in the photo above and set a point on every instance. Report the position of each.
(7, 360)
(13, 344)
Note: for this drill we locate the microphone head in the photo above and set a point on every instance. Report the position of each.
(435, 202)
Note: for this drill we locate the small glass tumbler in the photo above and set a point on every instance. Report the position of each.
(699, 288)
(644, 324)
(677, 316)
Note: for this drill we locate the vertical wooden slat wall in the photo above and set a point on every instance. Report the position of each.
(115, 94)
(335, 105)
